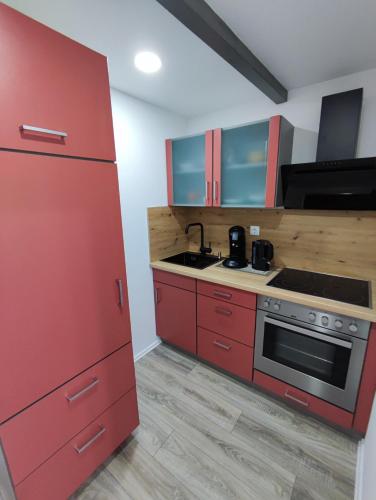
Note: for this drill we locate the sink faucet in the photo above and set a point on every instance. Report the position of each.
(203, 248)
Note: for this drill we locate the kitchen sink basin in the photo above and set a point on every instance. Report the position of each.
(192, 259)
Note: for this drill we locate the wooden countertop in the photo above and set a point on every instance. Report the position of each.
(257, 284)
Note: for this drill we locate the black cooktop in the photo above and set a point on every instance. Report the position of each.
(349, 290)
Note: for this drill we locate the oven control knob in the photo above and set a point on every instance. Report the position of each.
(325, 320)
(312, 316)
(277, 306)
(266, 302)
(338, 323)
(353, 327)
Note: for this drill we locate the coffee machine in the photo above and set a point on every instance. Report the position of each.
(262, 255)
(237, 258)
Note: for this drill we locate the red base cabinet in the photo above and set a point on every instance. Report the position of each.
(176, 311)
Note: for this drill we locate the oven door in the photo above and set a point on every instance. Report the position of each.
(321, 362)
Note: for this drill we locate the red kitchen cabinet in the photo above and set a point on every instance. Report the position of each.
(51, 82)
(176, 316)
(367, 388)
(62, 474)
(304, 400)
(63, 297)
(229, 355)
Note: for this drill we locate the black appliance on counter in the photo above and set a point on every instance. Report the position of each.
(237, 258)
(330, 185)
(262, 255)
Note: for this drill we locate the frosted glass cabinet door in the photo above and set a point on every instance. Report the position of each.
(244, 152)
(188, 171)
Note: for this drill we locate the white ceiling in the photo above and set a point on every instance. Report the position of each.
(193, 79)
(300, 41)
(305, 41)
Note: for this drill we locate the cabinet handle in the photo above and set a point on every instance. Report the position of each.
(121, 293)
(207, 185)
(83, 391)
(222, 346)
(215, 190)
(222, 310)
(91, 441)
(156, 296)
(222, 295)
(295, 399)
(31, 128)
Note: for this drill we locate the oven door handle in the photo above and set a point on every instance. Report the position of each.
(309, 333)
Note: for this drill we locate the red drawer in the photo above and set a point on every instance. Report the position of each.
(232, 295)
(304, 400)
(227, 354)
(63, 473)
(175, 280)
(35, 434)
(234, 322)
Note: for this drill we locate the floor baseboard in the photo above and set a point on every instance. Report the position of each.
(147, 349)
(358, 494)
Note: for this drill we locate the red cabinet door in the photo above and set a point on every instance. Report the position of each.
(61, 254)
(176, 316)
(51, 82)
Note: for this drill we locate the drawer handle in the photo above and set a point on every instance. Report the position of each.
(222, 346)
(222, 295)
(31, 128)
(295, 399)
(83, 391)
(91, 441)
(221, 310)
(157, 298)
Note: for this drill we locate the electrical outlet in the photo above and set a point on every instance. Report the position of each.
(255, 230)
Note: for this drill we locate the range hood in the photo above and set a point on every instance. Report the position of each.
(334, 182)
(330, 185)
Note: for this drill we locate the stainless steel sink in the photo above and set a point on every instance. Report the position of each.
(192, 259)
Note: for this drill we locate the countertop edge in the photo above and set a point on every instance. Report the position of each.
(257, 284)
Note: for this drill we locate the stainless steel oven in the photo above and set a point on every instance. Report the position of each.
(319, 352)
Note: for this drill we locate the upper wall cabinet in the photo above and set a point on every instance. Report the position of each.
(190, 170)
(246, 161)
(235, 167)
(54, 92)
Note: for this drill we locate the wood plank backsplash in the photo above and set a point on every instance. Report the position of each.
(337, 242)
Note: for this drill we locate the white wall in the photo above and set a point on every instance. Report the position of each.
(366, 474)
(303, 110)
(140, 130)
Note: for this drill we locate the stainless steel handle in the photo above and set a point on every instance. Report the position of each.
(222, 310)
(83, 391)
(6, 484)
(296, 400)
(156, 296)
(222, 346)
(222, 295)
(48, 131)
(207, 191)
(215, 190)
(121, 293)
(309, 333)
(91, 441)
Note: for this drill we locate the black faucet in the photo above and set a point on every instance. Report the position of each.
(203, 248)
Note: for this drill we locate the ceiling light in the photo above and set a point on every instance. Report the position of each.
(148, 62)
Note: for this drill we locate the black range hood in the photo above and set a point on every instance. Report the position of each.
(330, 185)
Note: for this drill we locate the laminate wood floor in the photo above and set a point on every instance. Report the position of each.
(206, 436)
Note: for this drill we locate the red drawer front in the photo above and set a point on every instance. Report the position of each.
(227, 354)
(175, 280)
(35, 434)
(239, 297)
(234, 322)
(65, 471)
(304, 400)
(52, 82)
